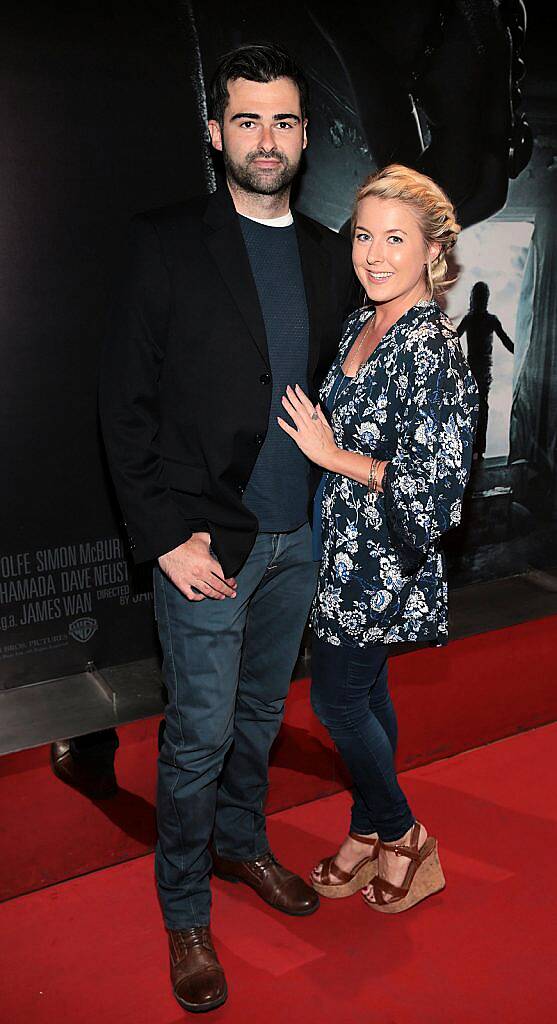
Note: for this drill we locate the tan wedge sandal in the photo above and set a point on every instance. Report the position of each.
(336, 883)
(423, 878)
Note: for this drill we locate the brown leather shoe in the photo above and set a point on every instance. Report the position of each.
(197, 976)
(90, 774)
(278, 887)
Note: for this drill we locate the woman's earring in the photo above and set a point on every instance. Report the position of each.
(429, 278)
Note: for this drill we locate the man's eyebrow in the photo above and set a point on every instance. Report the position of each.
(257, 117)
(252, 117)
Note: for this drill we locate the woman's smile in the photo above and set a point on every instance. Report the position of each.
(380, 276)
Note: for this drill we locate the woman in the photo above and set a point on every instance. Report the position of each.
(402, 404)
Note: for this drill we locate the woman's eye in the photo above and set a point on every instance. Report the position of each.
(362, 236)
(394, 238)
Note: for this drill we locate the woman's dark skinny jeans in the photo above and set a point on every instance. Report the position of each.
(350, 696)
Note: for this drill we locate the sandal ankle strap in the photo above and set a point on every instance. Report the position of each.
(411, 851)
(366, 840)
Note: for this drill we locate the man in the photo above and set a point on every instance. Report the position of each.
(227, 299)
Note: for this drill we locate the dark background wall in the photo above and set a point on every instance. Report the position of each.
(99, 120)
(101, 117)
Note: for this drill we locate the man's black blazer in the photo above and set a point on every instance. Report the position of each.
(186, 384)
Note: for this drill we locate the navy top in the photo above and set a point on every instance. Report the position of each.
(278, 489)
(414, 404)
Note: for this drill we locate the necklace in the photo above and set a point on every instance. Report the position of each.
(361, 339)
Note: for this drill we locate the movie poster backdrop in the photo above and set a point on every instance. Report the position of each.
(103, 116)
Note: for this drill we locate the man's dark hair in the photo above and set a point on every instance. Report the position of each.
(257, 62)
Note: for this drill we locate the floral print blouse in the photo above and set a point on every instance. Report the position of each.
(414, 403)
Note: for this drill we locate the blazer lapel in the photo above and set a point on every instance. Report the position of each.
(316, 267)
(224, 239)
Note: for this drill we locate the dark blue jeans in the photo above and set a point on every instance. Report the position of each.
(227, 668)
(350, 696)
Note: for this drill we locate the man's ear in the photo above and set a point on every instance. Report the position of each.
(305, 133)
(216, 135)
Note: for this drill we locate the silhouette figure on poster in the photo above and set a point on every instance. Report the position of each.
(479, 325)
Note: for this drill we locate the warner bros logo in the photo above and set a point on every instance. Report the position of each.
(83, 629)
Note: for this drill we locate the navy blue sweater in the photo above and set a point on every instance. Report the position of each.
(278, 489)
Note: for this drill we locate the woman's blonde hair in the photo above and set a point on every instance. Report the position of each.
(434, 211)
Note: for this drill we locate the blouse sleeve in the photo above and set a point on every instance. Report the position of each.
(424, 482)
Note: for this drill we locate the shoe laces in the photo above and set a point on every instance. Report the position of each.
(195, 937)
(261, 864)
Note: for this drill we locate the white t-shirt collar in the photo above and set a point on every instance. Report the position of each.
(273, 222)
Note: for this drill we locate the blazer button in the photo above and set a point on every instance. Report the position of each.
(265, 378)
(259, 439)
(240, 489)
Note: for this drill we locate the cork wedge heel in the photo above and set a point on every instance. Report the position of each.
(336, 884)
(424, 877)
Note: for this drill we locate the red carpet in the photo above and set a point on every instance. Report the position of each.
(93, 949)
(448, 700)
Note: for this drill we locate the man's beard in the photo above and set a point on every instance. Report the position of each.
(254, 179)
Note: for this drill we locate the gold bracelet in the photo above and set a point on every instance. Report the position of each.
(371, 481)
(375, 472)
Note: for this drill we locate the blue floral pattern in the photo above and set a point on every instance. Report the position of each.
(414, 403)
